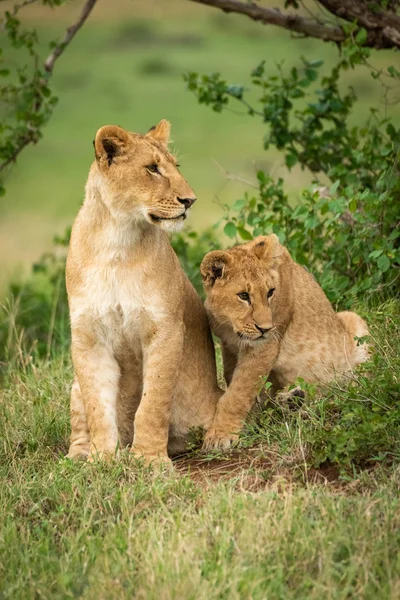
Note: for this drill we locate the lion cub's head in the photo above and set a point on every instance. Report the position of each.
(139, 178)
(243, 287)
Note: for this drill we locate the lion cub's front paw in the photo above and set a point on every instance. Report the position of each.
(157, 461)
(78, 452)
(217, 439)
(103, 456)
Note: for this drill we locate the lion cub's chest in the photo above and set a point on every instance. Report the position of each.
(120, 305)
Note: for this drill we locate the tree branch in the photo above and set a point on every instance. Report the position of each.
(70, 33)
(31, 134)
(273, 16)
(383, 27)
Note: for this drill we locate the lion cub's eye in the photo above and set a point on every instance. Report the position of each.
(270, 293)
(153, 169)
(244, 296)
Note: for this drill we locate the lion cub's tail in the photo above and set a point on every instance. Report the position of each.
(357, 327)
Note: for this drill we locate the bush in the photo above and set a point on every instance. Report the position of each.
(346, 233)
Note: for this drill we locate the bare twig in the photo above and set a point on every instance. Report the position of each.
(17, 7)
(232, 177)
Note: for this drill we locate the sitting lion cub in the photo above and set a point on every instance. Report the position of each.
(141, 344)
(273, 319)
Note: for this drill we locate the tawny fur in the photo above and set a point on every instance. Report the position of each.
(286, 329)
(141, 345)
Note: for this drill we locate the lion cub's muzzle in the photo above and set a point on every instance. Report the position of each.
(261, 335)
(186, 202)
(158, 219)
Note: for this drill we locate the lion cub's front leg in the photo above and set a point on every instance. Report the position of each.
(98, 375)
(234, 405)
(80, 437)
(162, 360)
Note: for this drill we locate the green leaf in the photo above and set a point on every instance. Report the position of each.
(383, 263)
(235, 90)
(375, 253)
(386, 150)
(239, 204)
(395, 234)
(230, 229)
(334, 187)
(361, 37)
(299, 211)
(353, 205)
(311, 74)
(315, 63)
(393, 72)
(324, 208)
(291, 159)
(258, 71)
(244, 234)
(391, 131)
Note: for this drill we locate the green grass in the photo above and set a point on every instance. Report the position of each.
(262, 522)
(126, 67)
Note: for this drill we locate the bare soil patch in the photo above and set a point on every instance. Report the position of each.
(257, 469)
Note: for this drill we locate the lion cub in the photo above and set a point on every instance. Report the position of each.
(141, 345)
(273, 319)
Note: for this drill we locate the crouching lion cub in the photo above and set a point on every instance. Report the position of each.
(141, 345)
(273, 319)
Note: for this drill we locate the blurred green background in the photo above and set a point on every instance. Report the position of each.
(125, 66)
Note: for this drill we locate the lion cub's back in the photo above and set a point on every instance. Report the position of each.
(319, 344)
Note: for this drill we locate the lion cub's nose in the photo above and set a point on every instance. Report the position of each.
(187, 202)
(261, 329)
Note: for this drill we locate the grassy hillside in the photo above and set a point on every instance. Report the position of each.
(269, 520)
(126, 67)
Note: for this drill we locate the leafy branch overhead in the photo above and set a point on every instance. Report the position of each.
(329, 20)
(29, 102)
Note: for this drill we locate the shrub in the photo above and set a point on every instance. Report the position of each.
(347, 233)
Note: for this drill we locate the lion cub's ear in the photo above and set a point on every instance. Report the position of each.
(214, 266)
(110, 142)
(160, 133)
(267, 246)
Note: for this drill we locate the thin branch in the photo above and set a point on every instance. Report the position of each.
(70, 33)
(232, 177)
(273, 16)
(309, 11)
(31, 135)
(17, 7)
